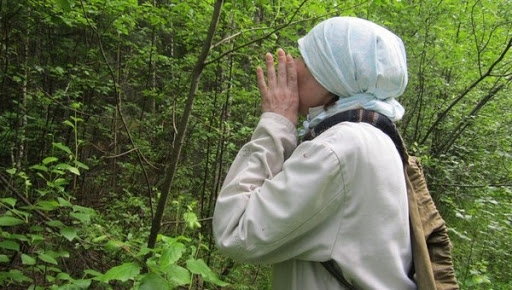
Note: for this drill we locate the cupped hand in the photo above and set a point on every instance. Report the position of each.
(281, 95)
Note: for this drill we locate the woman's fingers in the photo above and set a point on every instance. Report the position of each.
(291, 70)
(262, 85)
(281, 69)
(271, 71)
(279, 93)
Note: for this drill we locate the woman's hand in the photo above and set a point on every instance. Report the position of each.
(281, 96)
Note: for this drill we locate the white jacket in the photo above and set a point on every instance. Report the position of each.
(341, 196)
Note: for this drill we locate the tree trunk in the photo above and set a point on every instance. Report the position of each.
(176, 151)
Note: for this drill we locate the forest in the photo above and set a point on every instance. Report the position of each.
(120, 118)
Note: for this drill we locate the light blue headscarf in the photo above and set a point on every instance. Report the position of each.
(359, 61)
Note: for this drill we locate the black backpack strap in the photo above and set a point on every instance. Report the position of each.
(346, 116)
(361, 115)
(335, 270)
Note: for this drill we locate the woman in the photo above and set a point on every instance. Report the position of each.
(340, 196)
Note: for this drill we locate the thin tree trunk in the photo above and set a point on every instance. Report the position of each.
(176, 152)
(20, 150)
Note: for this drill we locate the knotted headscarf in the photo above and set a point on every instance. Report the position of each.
(361, 62)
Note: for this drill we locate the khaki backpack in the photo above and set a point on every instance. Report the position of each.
(431, 246)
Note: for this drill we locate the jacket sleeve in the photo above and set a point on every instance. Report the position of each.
(434, 228)
(269, 201)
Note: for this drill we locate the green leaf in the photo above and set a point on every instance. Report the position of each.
(93, 273)
(27, 260)
(83, 217)
(10, 245)
(35, 228)
(47, 258)
(36, 238)
(64, 276)
(88, 210)
(62, 147)
(9, 221)
(114, 245)
(172, 253)
(64, 5)
(18, 276)
(69, 233)
(178, 275)
(124, 272)
(62, 253)
(63, 202)
(198, 266)
(48, 205)
(191, 220)
(81, 165)
(76, 106)
(11, 171)
(9, 201)
(57, 171)
(153, 281)
(68, 122)
(76, 119)
(481, 279)
(60, 181)
(55, 223)
(58, 70)
(73, 170)
(99, 239)
(49, 160)
(4, 259)
(62, 166)
(39, 167)
(459, 234)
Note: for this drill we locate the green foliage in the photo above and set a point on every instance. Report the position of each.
(484, 261)
(34, 235)
(168, 267)
(48, 241)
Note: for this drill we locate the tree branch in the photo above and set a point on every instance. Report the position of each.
(443, 114)
(455, 134)
(257, 39)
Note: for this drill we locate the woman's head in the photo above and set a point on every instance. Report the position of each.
(359, 61)
(311, 92)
